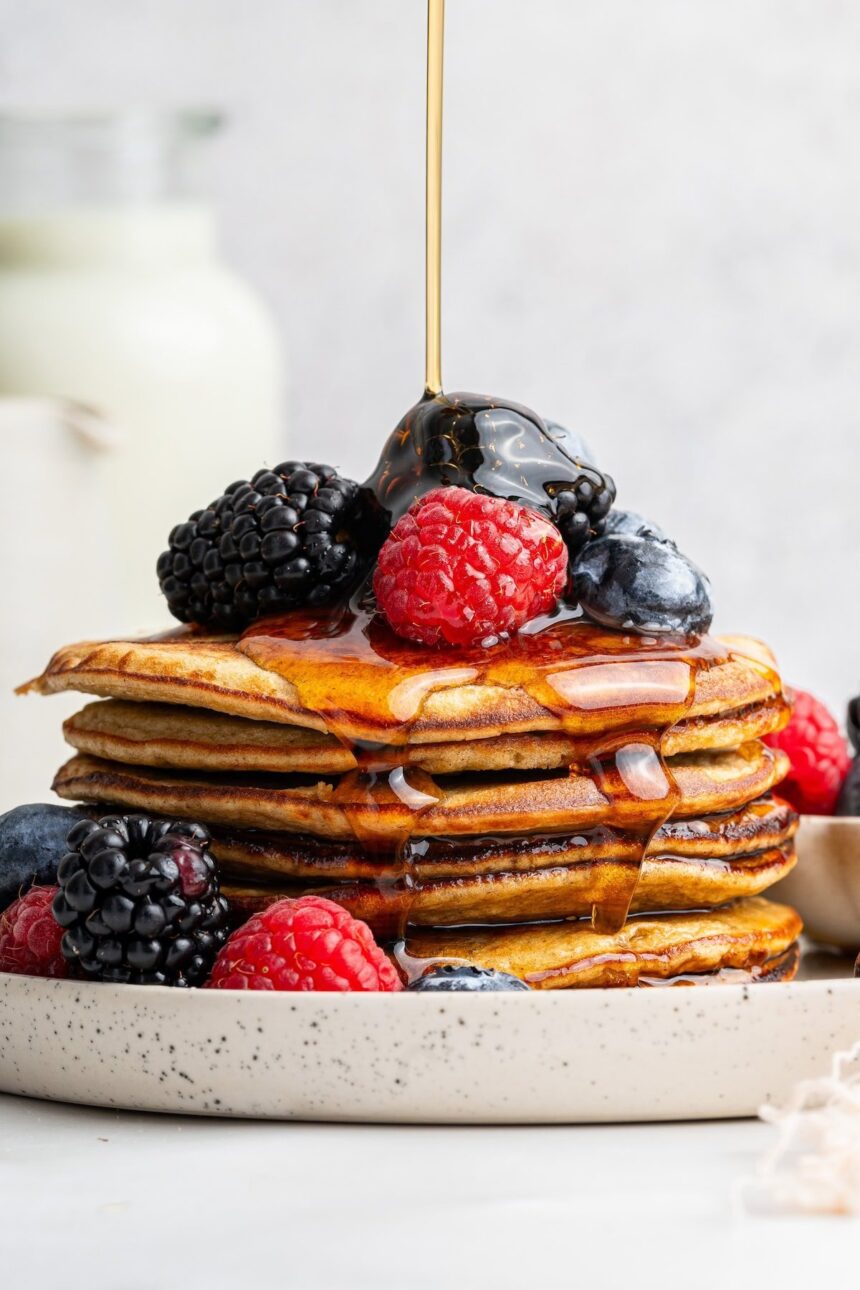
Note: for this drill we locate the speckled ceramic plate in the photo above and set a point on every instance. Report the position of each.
(553, 1057)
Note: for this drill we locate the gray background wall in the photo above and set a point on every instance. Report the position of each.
(652, 232)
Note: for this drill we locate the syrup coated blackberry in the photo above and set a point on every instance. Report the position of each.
(287, 539)
(582, 505)
(492, 446)
(139, 901)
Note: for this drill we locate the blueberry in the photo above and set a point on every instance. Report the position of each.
(849, 796)
(571, 442)
(853, 723)
(637, 583)
(634, 523)
(451, 977)
(32, 844)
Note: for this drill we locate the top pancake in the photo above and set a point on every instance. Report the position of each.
(447, 697)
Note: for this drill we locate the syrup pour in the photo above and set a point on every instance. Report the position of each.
(433, 200)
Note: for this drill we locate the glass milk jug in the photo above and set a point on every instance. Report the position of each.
(112, 294)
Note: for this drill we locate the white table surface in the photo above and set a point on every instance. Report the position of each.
(119, 1201)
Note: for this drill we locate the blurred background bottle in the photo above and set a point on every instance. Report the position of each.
(112, 294)
(138, 377)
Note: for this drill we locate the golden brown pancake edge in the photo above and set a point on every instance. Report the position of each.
(182, 738)
(197, 670)
(551, 956)
(707, 782)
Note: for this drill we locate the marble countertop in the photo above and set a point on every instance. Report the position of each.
(117, 1201)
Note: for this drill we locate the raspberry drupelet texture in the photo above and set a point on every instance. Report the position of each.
(818, 754)
(29, 936)
(460, 568)
(304, 944)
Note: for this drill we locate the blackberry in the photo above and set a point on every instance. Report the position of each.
(581, 505)
(458, 977)
(288, 538)
(139, 901)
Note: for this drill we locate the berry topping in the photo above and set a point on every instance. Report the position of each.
(460, 568)
(641, 584)
(139, 901)
(29, 936)
(305, 944)
(32, 843)
(451, 977)
(289, 538)
(818, 754)
(582, 505)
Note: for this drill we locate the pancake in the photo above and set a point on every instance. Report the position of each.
(450, 697)
(749, 935)
(505, 803)
(183, 738)
(665, 882)
(277, 857)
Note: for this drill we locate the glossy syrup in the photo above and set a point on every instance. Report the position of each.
(619, 694)
(471, 441)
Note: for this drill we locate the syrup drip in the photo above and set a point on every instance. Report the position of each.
(619, 694)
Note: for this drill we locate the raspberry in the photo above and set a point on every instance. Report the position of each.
(461, 567)
(30, 937)
(818, 754)
(304, 944)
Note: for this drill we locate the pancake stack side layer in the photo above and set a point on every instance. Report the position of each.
(576, 806)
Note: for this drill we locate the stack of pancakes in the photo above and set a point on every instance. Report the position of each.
(506, 837)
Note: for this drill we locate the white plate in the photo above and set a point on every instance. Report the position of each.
(558, 1057)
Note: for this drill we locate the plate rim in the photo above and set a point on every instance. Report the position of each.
(282, 998)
